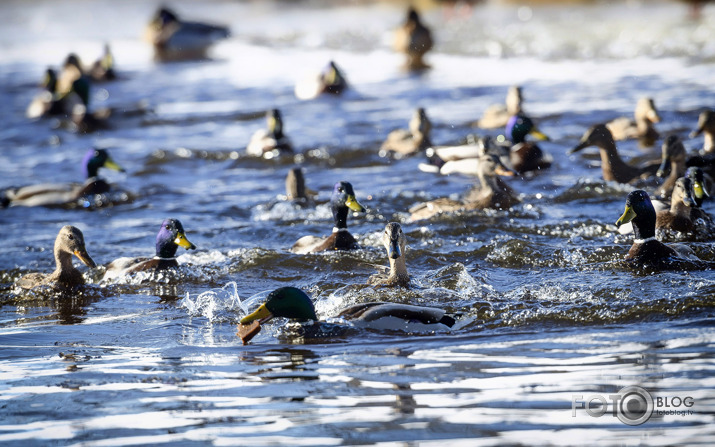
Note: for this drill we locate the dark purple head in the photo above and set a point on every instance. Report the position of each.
(98, 158)
(171, 236)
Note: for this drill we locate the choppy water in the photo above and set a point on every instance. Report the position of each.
(545, 310)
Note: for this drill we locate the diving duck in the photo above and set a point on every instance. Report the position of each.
(677, 218)
(614, 169)
(414, 39)
(673, 154)
(70, 241)
(342, 202)
(642, 128)
(58, 194)
(497, 115)
(394, 241)
(48, 101)
(404, 142)
(294, 304)
(174, 39)
(271, 142)
(493, 192)
(646, 250)
(171, 236)
(329, 81)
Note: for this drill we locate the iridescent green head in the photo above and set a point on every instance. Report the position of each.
(286, 302)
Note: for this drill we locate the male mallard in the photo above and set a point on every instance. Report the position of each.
(171, 236)
(646, 249)
(403, 142)
(525, 155)
(342, 201)
(497, 115)
(57, 194)
(642, 128)
(70, 241)
(330, 80)
(700, 192)
(673, 154)
(612, 166)
(271, 142)
(414, 39)
(175, 39)
(493, 192)
(677, 218)
(394, 240)
(293, 303)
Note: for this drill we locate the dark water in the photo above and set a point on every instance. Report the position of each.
(546, 312)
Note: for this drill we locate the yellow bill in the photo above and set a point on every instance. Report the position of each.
(181, 241)
(354, 205)
(262, 314)
(85, 258)
(536, 133)
(628, 215)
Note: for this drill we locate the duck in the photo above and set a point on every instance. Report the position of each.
(613, 168)
(646, 250)
(493, 192)
(700, 192)
(174, 39)
(342, 202)
(329, 81)
(71, 72)
(642, 128)
(295, 186)
(525, 155)
(48, 102)
(705, 159)
(497, 115)
(59, 194)
(393, 238)
(295, 304)
(413, 39)
(171, 236)
(674, 155)
(69, 241)
(677, 218)
(271, 142)
(405, 142)
(103, 68)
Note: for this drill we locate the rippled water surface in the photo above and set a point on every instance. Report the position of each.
(544, 309)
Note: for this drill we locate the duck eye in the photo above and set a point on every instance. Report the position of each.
(168, 227)
(70, 237)
(340, 190)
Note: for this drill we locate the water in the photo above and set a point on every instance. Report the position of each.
(545, 311)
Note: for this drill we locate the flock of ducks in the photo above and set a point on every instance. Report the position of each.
(687, 180)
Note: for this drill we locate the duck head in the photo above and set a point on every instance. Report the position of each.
(683, 192)
(420, 123)
(706, 121)
(171, 236)
(394, 240)
(640, 211)
(673, 150)
(490, 166)
(332, 76)
(598, 136)
(98, 158)
(274, 120)
(519, 126)
(514, 100)
(286, 302)
(342, 201)
(49, 81)
(645, 110)
(165, 16)
(697, 181)
(70, 241)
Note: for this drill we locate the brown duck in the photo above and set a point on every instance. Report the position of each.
(642, 128)
(394, 241)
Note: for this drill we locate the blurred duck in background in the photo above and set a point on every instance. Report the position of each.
(497, 115)
(641, 128)
(329, 81)
(270, 142)
(403, 142)
(174, 39)
(414, 40)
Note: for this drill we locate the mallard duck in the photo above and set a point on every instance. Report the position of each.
(414, 39)
(646, 249)
(497, 115)
(673, 154)
(642, 128)
(174, 39)
(403, 142)
(47, 102)
(70, 241)
(614, 169)
(271, 142)
(57, 194)
(330, 81)
(294, 304)
(700, 192)
(677, 218)
(71, 72)
(493, 192)
(342, 201)
(706, 127)
(171, 236)
(394, 241)
(103, 68)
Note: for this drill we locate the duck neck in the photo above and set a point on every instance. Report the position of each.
(644, 227)
(709, 144)
(611, 162)
(340, 214)
(166, 249)
(63, 260)
(398, 268)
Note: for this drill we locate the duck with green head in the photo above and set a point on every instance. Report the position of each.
(174, 39)
(294, 304)
(171, 236)
(342, 202)
(59, 194)
(699, 194)
(393, 238)
(270, 142)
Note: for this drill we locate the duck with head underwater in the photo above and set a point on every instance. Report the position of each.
(69, 241)
(171, 236)
(66, 194)
(176, 40)
(294, 304)
(394, 241)
(341, 203)
(329, 81)
(271, 142)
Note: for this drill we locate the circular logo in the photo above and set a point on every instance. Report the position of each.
(635, 406)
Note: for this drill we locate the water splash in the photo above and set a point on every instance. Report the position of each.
(216, 304)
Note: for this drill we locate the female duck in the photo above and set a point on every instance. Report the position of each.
(329, 81)
(70, 241)
(613, 167)
(497, 115)
(175, 39)
(394, 241)
(47, 102)
(404, 142)
(293, 303)
(271, 142)
(642, 128)
(58, 194)
(673, 154)
(414, 40)
(342, 202)
(706, 126)
(171, 236)
(677, 218)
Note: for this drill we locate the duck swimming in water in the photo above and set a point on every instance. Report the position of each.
(642, 128)
(677, 218)
(329, 81)
(413, 39)
(59, 194)
(341, 203)
(174, 39)
(294, 304)
(673, 155)
(404, 142)
(271, 142)
(69, 241)
(394, 241)
(497, 115)
(48, 102)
